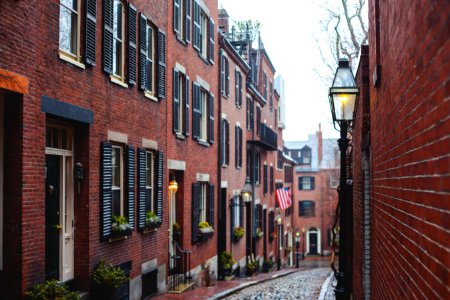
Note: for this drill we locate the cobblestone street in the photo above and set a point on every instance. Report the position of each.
(304, 284)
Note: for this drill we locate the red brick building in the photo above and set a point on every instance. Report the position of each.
(75, 148)
(400, 157)
(316, 176)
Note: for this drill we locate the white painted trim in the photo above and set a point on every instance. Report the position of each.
(70, 60)
(150, 144)
(149, 95)
(176, 165)
(224, 184)
(117, 81)
(202, 177)
(203, 83)
(118, 137)
(203, 6)
(238, 124)
(264, 206)
(180, 68)
(236, 192)
(149, 265)
(224, 116)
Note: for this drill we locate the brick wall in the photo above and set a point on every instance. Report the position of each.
(410, 145)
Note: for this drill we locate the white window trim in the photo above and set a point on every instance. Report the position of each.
(152, 179)
(67, 56)
(204, 115)
(117, 137)
(151, 93)
(203, 201)
(123, 41)
(121, 181)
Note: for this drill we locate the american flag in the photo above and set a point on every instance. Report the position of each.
(284, 197)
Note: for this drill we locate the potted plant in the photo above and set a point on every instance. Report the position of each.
(259, 233)
(252, 267)
(176, 230)
(51, 290)
(238, 233)
(227, 262)
(267, 265)
(107, 279)
(205, 231)
(120, 226)
(152, 220)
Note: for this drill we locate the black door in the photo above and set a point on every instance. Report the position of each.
(313, 243)
(52, 226)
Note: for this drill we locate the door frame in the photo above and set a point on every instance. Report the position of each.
(66, 204)
(315, 231)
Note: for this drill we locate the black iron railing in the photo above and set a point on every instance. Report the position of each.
(268, 139)
(179, 268)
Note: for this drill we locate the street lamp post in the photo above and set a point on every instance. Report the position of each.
(279, 242)
(343, 96)
(297, 247)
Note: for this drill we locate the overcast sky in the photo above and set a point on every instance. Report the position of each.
(288, 31)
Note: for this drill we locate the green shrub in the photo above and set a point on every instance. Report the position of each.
(108, 276)
(51, 290)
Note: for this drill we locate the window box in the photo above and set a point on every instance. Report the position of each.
(238, 234)
(259, 233)
(117, 235)
(204, 236)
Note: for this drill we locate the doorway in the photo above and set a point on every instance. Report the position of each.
(59, 206)
(313, 241)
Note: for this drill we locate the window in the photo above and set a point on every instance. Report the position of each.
(225, 143)
(258, 120)
(306, 208)
(202, 207)
(280, 160)
(288, 174)
(265, 182)
(265, 85)
(225, 77)
(203, 34)
(180, 104)
(271, 96)
(306, 183)
(150, 181)
(249, 114)
(69, 28)
(258, 168)
(305, 156)
(118, 39)
(202, 115)
(238, 88)
(236, 212)
(117, 186)
(117, 180)
(182, 19)
(238, 147)
(150, 60)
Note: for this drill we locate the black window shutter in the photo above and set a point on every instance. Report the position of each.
(256, 210)
(186, 101)
(106, 189)
(222, 142)
(265, 179)
(176, 15)
(313, 183)
(247, 116)
(211, 41)
(159, 184)
(196, 111)
(258, 120)
(131, 172)
(161, 86)
(91, 24)
(142, 209)
(176, 102)
(211, 205)
(131, 45)
(236, 87)
(143, 51)
(236, 146)
(108, 17)
(196, 43)
(241, 212)
(227, 143)
(211, 119)
(240, 89)
(271, 222)
(187, 23)
(234, 203)
(240, 147)
(252, 115)
(271, 179)
(222, 74)
(196, 188)
(227, 77)
(300, 183)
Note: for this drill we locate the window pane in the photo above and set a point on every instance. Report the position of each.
(116, 167)
(117, 24)
(65, 31)
(149, 170)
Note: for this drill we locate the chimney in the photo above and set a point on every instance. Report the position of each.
(319, 144)
(224, 21)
